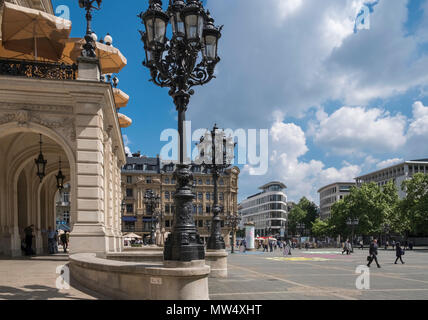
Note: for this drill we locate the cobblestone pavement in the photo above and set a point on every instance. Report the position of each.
(306, 275)
(321, 274)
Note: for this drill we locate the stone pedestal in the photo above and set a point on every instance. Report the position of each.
(217, 260)
(89, 69)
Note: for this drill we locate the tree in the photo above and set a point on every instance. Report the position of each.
(311, 212)
(320, 228)
(296, 216)
(372, 205)
(414, 208)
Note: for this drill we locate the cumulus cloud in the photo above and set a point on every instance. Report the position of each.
(388, 163)
(303, 178)
(417, 134)
(127, 142)
(350, 130)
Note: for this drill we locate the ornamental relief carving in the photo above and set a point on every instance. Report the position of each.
(64, 125)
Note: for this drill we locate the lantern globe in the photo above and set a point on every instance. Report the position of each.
(194, 22)
(156, 22)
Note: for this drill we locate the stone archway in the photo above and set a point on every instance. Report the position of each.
(24, 199)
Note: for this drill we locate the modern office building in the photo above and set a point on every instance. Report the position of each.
(267, 209)
(141, 174)
(332, 193)
(397, 173)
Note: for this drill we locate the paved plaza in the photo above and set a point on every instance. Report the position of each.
(306, 275)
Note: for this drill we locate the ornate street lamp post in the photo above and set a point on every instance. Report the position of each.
(90, 37)
(151, 201)
(185, 61)
(352, 223)
(216, 161)
(233, 221)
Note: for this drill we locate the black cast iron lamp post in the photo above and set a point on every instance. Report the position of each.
(60, 178)
(151, 201)
(217, 161)
(233, 221)
(41, 163)
(180, 64)
(90, 37)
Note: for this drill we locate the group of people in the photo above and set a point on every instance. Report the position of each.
(53, 240)
(373, 253)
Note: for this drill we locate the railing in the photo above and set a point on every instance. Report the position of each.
(40, 70)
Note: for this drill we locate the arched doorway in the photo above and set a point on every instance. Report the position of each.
(26, 200)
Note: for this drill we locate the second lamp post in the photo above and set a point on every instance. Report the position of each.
(152, 201)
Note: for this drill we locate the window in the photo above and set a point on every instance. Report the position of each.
(221, 182)
(221, 196)
(208, 209)
(208, 182)
(166, 180)
(167, 209)
(200, 223)
(172, 181)
(129, 193)
(167, 195)
(200, 209)
(194, 209)
(128, 179)
(130, 208)
(208, 196)
(149, 180)
(167, 223)
(200, 182)
(129, 226)
(200, 196)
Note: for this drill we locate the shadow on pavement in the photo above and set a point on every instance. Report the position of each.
(33, 292)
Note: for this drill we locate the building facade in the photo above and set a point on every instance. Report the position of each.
(62, 110)
(332, 193)
(267, 209)
(397, 173)
(141, 174)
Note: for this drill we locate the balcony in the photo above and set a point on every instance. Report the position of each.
(39, 70)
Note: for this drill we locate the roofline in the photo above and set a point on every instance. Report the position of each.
(272, 183)
(391, 167)
(334, 184)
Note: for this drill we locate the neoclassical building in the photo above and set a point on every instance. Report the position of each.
(62, 110)
(141, 174)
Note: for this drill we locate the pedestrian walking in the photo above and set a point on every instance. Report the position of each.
(373, 253)
(51, 240)
(386, 245)
(346, 247)
(265, 245)
(29, 240)
(399, 252)
(64, 241)
(362, 245)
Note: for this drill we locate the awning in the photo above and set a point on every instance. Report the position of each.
(34, 32)
(129, 219)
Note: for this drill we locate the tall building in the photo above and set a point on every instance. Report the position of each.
(141, 174)
(332, 193)
(397, 173)
(267, 209)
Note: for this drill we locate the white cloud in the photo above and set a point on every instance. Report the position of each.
(388, 163)
(127, 142)
(417, 135)
(355, 130)
(303, 178)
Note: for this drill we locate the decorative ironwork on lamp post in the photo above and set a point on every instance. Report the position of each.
(152, 201)
(41, 163)
(185, 61)
(233, 221)
(216, 156)
(90, 37)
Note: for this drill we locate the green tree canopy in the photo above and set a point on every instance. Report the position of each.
(414, 208)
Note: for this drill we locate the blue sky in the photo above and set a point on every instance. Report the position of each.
(337, 103)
